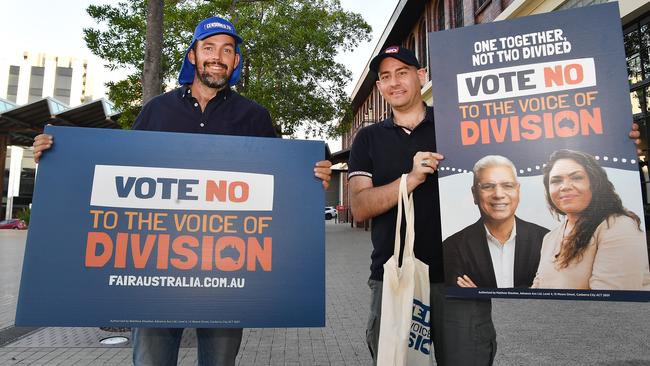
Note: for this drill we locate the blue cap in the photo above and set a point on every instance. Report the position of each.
(207, 28)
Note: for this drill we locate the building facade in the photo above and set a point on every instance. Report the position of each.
(37, 89)
(30, 76)
(413, 19)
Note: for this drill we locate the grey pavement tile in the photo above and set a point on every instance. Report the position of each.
(187, 357)
(85, 362)
(12, 248)
(530, 332)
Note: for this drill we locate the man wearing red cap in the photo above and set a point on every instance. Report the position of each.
(204, 103)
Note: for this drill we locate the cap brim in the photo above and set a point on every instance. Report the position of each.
(374, 64)
(238, 39)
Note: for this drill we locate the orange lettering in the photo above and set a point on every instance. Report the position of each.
(591, 120)
(553, 76)
(102, 240)
(469, 132)
(263, 255)
(562, 119)
(232, 190)
(206, 256)
(232, 243)
(121, 243)
(500, 130)
(179, 249)
(141, 257)
(531, 130)
(163, 252)
(213, 190)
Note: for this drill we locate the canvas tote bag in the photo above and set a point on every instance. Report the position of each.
(404, 333)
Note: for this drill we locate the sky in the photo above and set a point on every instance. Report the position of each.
(56, 27)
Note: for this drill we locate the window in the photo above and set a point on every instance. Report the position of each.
(440, 15)
(410, 42)
(63, 84)
(579, 3)
(12, 84)
(479, 4)
(636, 38)
(458, 13)
(36, 84)
(422, 44)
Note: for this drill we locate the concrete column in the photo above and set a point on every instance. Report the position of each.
(48, 76)
(4, 140)
(341, 181)
(78, 71)
(15, 168)
(23, 82)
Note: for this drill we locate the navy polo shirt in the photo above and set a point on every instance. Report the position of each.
(228, 113)
(383, 152)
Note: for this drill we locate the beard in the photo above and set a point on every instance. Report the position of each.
(216, 82)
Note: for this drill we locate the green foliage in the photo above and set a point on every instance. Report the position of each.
(289, 48)
(127, 95)
(24, 215)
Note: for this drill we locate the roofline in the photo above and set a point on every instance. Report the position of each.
(406, 13)
(379, 46)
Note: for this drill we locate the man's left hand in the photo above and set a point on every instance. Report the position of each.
(465, 281)
(323, 171)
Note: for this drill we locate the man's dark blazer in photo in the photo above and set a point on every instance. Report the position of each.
(467, 253)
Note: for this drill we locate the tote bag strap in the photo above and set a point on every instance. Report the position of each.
(405, 205)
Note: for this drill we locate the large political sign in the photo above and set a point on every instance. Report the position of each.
(154, 229)
(540, 193)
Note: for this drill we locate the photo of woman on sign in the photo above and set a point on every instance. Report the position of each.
(599, 244)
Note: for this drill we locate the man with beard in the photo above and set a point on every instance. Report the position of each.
(203, 104)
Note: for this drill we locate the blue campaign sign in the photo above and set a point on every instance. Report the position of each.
(540, 107)
(154, 229)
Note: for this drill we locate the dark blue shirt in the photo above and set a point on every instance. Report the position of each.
(228, 113)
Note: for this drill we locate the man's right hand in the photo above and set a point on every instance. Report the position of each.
(424, 163)
(42, 142)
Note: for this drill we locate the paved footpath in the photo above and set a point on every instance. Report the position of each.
(530, 332)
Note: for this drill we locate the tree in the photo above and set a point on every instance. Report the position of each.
(289, 48)
(151, 78)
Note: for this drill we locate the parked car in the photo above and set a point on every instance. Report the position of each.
(15, 224)
(330, 212)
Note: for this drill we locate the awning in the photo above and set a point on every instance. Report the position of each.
(22, 123)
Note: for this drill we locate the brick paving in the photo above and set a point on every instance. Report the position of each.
(341, 342)
(530, 332)
(12, 247)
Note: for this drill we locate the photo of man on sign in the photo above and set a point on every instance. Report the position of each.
(540, 189)
(598, 244)
(483, 254)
